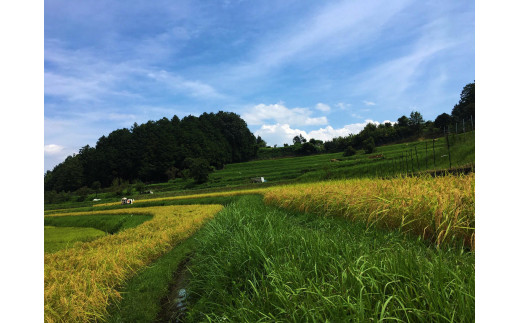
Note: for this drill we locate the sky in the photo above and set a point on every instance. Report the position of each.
(322, 69)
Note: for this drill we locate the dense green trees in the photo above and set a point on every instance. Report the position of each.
(465, 109)
(157, 151)
(166, 149)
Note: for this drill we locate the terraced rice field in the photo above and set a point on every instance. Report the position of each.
(80, 282)
(441, 209)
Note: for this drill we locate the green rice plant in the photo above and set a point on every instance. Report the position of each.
(56, 238)
(258, 263)
(109, 223)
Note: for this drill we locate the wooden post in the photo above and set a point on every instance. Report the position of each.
(411, 160)
(426, 158)
(433, 142)
(417, 158)
(449, 152)
(406, 161)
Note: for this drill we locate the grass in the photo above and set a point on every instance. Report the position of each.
(108, 223)
(264, 264)
(142, 295)
(441, 209)
(186, 198)
(215, 199)
(81, 282)
(56, 239)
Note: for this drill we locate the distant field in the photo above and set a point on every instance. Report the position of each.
(398, 159)
(391, 160)
(56, 238)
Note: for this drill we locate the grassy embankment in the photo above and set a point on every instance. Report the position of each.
(82, 281)
(261, 263)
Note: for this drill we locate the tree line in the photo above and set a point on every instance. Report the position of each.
(157, 151)
(166, 149)
(407, 128)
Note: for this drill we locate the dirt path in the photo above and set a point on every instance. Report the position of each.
(174, 304)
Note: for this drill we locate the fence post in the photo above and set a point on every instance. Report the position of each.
(433, 142)
(471, 119)
(449, 152)
(411, 160)
(406, 161)
(426, 158)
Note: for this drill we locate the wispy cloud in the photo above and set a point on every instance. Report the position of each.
(323, 107)
(190, 87)
(331, 31)
(368, 103)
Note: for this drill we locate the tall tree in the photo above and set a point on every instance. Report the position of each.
(416, 122)
(465, 109)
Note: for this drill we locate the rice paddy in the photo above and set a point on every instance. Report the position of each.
(80, 282)
(369, 241)
(441, 209)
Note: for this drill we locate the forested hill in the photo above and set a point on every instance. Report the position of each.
(157, 151)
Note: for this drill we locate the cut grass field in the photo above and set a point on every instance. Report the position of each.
(258, 263)
(81, 282)
(56, 238)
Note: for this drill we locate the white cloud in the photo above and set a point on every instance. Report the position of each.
(262, 113)
(322, 107)
(278, 134)
(343, 106)
(53, 149)
(369, 103)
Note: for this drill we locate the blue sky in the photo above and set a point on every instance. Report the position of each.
(319, 68)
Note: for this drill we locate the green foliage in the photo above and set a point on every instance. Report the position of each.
(443, 121)
(155, 151)
(139, 186)
(199, 169)
(368, 145)
(257, 263)
(416, 122)
(142, 295)
(465, 109)
(56, 239)
(350, 151)
(82, 193)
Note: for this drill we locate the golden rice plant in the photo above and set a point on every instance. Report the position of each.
(193, 196)
(438, 208)
(81, 281)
